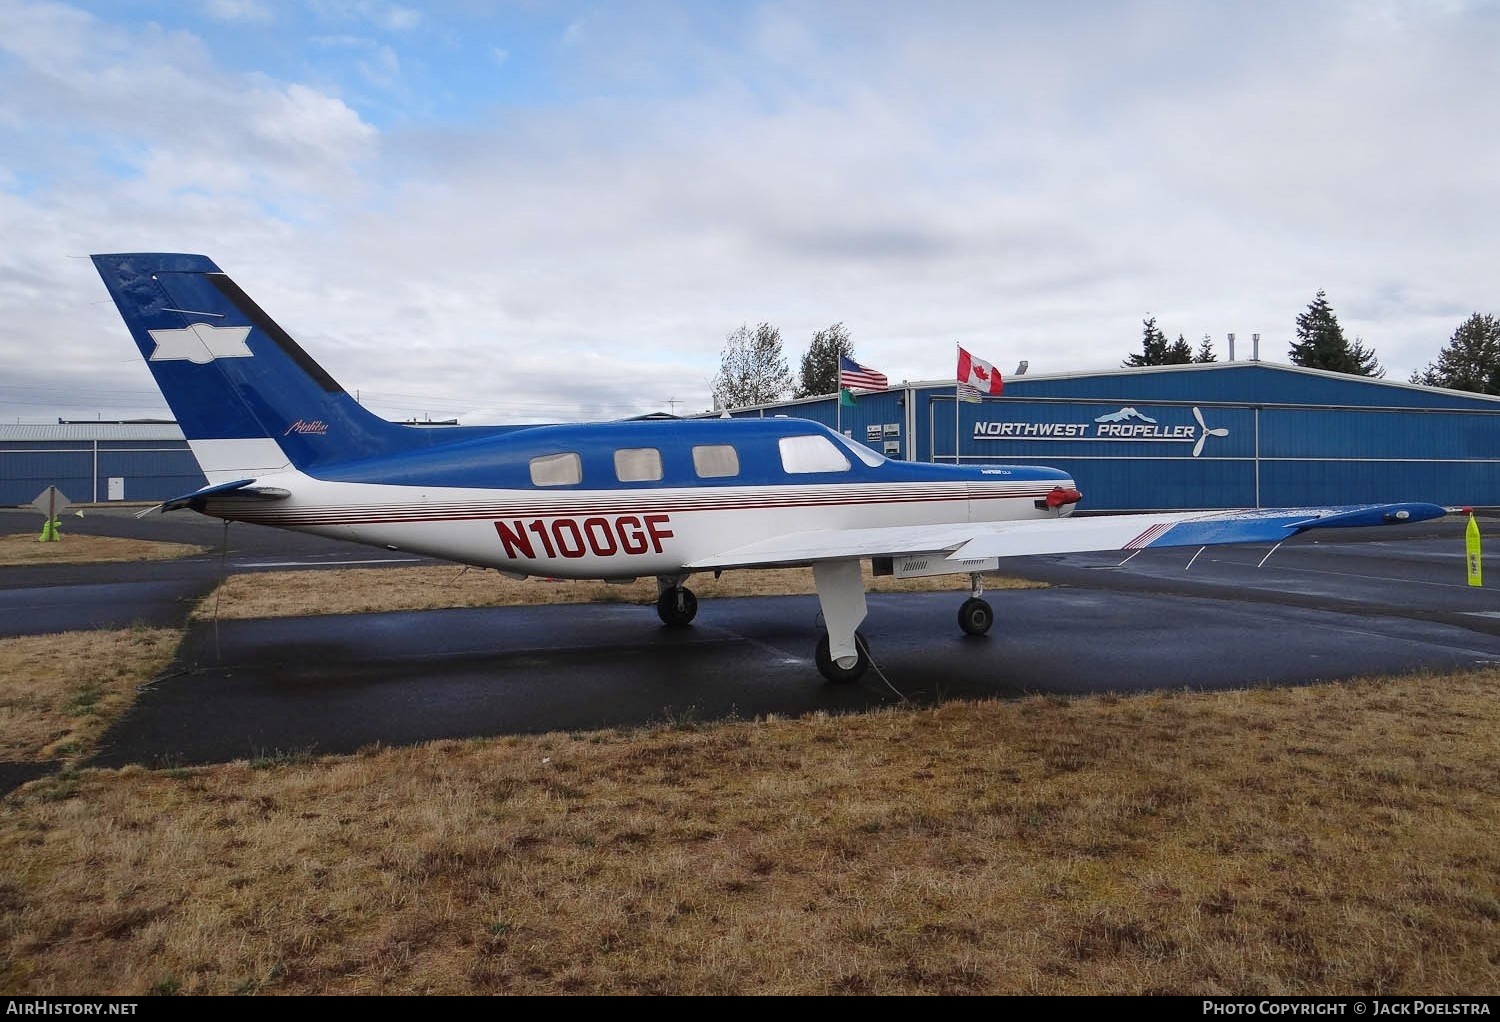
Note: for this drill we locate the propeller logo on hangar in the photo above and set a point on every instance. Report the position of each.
(1126, 425)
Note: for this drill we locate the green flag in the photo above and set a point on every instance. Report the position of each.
(846, 397)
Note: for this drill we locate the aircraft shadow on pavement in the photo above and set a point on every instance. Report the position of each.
(245, 689)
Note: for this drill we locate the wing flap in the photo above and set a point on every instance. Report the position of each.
(840, 545)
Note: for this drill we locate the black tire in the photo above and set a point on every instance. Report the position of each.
(832, 671)
(975, 616)
(677, 607)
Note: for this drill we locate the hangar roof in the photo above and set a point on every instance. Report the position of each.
(83, 432)
(1240, 382)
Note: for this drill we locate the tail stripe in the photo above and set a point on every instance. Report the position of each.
(255, 314)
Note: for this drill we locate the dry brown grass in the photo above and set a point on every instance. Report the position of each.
(1327, 839)
(59, 692)
(371, 590)
(26, 549)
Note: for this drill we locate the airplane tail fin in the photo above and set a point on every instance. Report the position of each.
(248, 398)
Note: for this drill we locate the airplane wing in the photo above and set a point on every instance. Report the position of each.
(979, 540)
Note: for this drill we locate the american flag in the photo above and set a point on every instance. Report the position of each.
(853, 376)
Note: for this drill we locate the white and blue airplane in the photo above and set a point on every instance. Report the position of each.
(282, 444)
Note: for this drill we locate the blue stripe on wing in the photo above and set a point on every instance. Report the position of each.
(1276, 524)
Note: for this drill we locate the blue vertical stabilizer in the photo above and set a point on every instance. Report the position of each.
(229, 372)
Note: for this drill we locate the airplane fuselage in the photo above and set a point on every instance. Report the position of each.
(557, 504)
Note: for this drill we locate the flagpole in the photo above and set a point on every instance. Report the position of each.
(838, 397)
(956, 384)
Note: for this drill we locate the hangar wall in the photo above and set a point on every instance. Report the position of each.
(150, 461)
(1238, 434)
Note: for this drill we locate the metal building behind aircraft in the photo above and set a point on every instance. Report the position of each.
(1233, 434)
(145, 461)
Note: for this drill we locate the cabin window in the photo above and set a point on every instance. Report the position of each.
(556, 470)
(638, 464)
(715, 461)
(811, 454)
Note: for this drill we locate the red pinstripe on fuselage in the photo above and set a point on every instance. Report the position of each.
(459, 524)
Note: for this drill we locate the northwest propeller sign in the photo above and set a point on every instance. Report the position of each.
(1127, 425)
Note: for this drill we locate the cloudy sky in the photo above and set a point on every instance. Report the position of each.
(520, 210)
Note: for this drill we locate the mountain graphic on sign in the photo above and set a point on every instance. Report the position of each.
(1125, 414)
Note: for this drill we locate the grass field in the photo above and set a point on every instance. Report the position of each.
(26, 549)
(1327, 839)
(61, 691)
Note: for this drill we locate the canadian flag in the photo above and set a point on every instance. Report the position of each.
(978, 374)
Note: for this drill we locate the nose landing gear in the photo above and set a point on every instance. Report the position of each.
(676, 605)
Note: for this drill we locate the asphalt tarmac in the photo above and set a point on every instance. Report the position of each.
(42, 599)
(1378, 602)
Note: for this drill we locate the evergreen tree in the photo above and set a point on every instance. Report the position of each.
(1470, 360)
(1206, 350)
(1321, 344)
(1155, 351)
(1153, 346)
(820, 364)
(1365, 362)
(1178, 353)
(752, 369)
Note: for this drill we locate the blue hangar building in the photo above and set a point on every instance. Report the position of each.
(96, 462)
(1215, 435)
(1231, 434)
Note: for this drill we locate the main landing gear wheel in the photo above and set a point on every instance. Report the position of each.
(829, 668)
(677, 607)
(975, 616)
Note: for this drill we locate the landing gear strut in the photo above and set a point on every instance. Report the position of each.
(676, 606)
(829, 667)
(842, 654)
(976, 615)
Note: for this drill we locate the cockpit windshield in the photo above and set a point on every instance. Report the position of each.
(872, 458)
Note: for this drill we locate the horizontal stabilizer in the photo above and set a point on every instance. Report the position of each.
(239, 488)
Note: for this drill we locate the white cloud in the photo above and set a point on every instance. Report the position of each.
(400, 19)
(387, 16)
(240, 10)
(123, 139)
(305, 123)
(377, 63)
(1026, 180)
